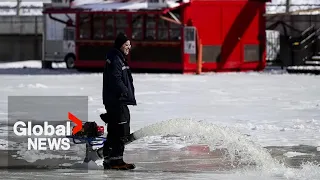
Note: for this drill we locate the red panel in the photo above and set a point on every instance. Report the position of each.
(156, 65)
(133, 65)
(250, 35)
(207, 18)
(231, 24)
(254, 34)
(89, 64)
(231, 48)
(262, 34)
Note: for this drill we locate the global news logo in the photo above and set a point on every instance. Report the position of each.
(56, 139)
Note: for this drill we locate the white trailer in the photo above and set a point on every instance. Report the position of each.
(58, 39)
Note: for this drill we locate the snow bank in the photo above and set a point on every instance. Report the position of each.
(21, 64)
(28, 64)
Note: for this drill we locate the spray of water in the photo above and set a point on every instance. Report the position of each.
(240, 148)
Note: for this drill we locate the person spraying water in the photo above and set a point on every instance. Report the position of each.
(118, 93)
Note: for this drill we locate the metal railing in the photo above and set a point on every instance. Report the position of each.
(307, 43)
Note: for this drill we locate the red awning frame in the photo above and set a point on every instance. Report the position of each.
(174, 18)
(66, 10)
(77, 10)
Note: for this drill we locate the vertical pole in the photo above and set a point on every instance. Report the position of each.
(86, 159)
(18, 7)
(36, 38)
(288, 2)
(199, 54)
(199, 58)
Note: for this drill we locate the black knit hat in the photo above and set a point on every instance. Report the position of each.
(120, 40)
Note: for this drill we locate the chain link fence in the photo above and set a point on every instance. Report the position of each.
(272, 46)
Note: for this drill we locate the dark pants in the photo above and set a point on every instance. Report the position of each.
(118, 128)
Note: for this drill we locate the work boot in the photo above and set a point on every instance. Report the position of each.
(118, 165)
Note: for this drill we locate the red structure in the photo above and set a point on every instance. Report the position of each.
(232, 34)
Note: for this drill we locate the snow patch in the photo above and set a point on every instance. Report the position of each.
(156, 92)
(32, 156)
(101, 110)
(4, 144)
(7, 145)
(28, 64)
(304, 68)
(37, 85)
(293, 154)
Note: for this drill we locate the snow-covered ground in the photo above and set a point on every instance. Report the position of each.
(27, 64)
(218, 110)
(275, 6)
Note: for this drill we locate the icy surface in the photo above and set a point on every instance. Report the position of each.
(305, 67)
(242, 113)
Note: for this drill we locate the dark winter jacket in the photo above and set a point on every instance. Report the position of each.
(117, 80)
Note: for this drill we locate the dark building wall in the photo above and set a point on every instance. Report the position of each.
(20, 38)
(20, 47)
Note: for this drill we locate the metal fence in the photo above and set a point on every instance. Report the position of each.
(272, 45)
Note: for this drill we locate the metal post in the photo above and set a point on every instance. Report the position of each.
(287, 6)
(198, 53)
(18, 7)
(36, 48)
(199, 57)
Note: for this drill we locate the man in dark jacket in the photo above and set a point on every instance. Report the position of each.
(118, 93)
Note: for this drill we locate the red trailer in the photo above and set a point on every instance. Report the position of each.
(232, 33)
